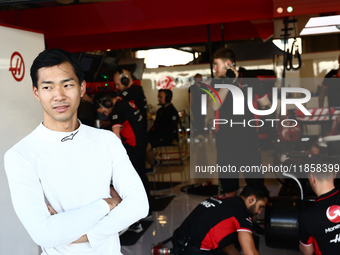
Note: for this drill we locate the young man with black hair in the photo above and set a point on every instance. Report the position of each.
(218, 223)
(131, 92)
(319, 228)
(71, 166)
(126, 122)
(237, 145)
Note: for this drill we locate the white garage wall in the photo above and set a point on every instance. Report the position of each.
(20, 113)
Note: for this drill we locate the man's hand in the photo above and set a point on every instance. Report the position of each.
(115, 200)
(50, 209)
(82, 239)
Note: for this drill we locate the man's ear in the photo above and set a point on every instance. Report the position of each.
(227, 63)
(35, 93)
(82, 88)
(311, 178)
(252, 199)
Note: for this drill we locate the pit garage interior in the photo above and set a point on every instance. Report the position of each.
(122, 33)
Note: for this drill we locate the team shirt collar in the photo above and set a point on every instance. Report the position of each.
(327, 195)
(58, 137)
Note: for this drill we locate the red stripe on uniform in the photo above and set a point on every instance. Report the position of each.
(316, 247)
(326, 197)
(218, 232)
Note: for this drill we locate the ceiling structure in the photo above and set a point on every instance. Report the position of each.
(80, 26)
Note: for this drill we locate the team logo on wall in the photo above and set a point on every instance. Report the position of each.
(17, 66)
(333, 213)
(166, 82)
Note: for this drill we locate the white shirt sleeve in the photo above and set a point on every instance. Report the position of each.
(129, 186)
(29, 204)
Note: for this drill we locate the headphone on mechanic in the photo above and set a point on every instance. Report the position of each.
(124, 78)
(105, 102)
(168, 95)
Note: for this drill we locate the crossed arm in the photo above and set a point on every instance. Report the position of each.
(112, 202)
(96, 220)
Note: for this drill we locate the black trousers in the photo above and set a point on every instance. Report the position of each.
(137, 158)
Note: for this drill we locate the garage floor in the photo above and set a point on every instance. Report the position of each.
(165, 222)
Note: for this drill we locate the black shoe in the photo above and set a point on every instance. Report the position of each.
(152, 169)
(258, 230)
(136, 227)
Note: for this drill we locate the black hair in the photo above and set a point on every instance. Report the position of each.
(53, 57)
(168, 93)
(258, 190)
(225, 54)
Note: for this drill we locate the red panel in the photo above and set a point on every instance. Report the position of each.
(147, 23)
(21, 28)
(303, 7)
(130, 15)
(265, 28)
(155, 37)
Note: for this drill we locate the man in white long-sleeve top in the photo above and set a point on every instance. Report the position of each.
(70, 166)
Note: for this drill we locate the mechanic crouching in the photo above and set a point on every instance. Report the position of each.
(217, 224)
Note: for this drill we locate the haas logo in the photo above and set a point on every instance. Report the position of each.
(132, 104)
(17, 66)
(333, 213)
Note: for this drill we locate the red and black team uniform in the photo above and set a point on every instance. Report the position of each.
(237, 142)
(135, 95)
(128, 116)
(211, 226)
(332, 83)
(319, 224)
(133, 134)
(164, 129)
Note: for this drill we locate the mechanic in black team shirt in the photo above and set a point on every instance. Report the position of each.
(331, 88)
(127, 123)
(216, 224)
(130, 91)
(164, 129)
(237, 144)
(319, 223)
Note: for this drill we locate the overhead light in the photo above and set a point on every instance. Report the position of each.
(323, 21)
(319, 30)
(322, 25)
(279, 10)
